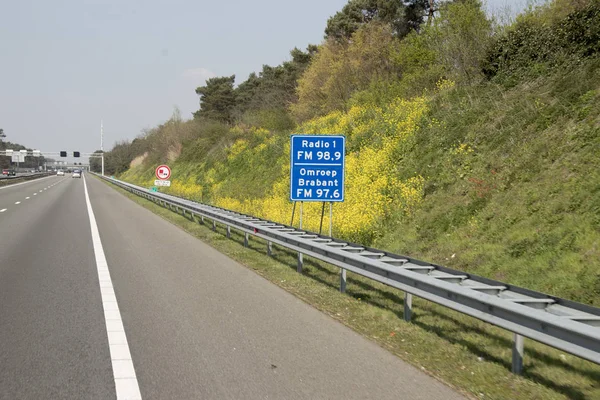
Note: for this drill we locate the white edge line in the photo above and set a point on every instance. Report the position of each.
(126, 383)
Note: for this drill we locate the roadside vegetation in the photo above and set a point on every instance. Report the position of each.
(470, 143)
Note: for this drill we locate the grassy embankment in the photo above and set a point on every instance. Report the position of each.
(501, 181)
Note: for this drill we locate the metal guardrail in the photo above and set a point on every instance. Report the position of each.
(560, 323)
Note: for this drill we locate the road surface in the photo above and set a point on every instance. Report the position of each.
(190, 322)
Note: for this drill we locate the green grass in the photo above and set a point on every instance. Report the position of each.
(524, 205)
(252, 172)
(466, 353)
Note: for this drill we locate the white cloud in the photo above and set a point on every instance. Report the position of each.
(198, 76)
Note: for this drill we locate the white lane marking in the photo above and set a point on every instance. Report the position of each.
(23, 183)
(17, 202)
(40, 191)
(4, 209)
(35, 194)
(27, 198)
(126, 383)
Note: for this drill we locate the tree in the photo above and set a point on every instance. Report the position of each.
(342, 68)
(119, 158)
(245, 92)
(401, 16)
(96, 162)
(462, 36)
(217, 99)
(274, 87)
(264, 98)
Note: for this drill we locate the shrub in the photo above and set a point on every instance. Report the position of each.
(541, 40)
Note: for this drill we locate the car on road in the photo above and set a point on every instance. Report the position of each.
(76, 174)
(60, 172)
(9, 172)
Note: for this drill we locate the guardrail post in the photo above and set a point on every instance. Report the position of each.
(343, 280)
(246, 239)
(517, 354)
(202, 219)
(407, 306)
(269, 248)
(214, 225)
(228, 232)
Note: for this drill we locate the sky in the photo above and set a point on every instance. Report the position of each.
(65, 65)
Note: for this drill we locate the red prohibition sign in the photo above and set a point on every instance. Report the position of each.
(163, 172)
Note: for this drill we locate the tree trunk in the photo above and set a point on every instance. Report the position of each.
(431, 11)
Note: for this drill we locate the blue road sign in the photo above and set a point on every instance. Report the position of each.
(317, 167)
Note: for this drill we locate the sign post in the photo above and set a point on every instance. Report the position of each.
(163, 173)
(317, 174)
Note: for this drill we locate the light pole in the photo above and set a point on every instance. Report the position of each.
(102, 145)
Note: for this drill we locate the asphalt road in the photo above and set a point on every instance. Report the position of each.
(198, 325)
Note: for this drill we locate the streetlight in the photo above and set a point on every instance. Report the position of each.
(102, 144)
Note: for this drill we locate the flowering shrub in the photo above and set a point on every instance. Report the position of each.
(187, 188)
(373, 187)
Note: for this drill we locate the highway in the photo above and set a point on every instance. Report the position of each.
(119, 303)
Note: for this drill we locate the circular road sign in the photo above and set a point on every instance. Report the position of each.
(163, 172)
